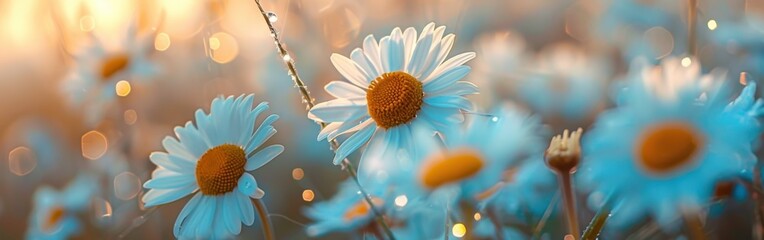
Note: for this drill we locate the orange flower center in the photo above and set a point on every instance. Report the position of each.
(394, 99)
(113, 64)
(451, 167)
(54, 217)
(668, 146)
(219, 169)
(361, 209)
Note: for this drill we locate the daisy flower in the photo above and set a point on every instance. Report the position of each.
(54, 215)
(662, 156)
(566, 82)
(91, 82)
(212, 160)
(402, 83)
(476, 157)
(346, 212)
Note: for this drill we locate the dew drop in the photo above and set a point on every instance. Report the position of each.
(272, 17)
(494, 119)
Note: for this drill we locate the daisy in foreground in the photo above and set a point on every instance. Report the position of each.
(402, 83)
(662, 153)
(92, 81)
(212, 159)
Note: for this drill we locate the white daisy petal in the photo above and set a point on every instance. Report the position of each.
(459, 88)
(457, 60)
(395, 50)
(230, 213)
(352, 143)
(191, 139)
(262, 157)
(384, 53)
(164, 160)
(174, 147)
(350, 124)
(340, 89)
(449, 102)
(263, 133)
(360, 58)
(246, 211)
(446, 79)
(191, 205)
(331, 127)
(247, 185)
(170, 182)
(417, 62)
(409, 42)
(350, 70)
(338, 110)
(444, 50)
(161, 196)
(371, 50)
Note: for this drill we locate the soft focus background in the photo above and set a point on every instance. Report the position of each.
(206, 48)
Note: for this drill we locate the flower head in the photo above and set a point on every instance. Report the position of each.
(213, 158)
(664, 155)
(395, 86)
(54, 215)
(91, 83)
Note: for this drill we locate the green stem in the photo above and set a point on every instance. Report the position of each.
(598, 222)
(262, 212)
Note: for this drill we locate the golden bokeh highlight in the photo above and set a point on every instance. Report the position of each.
(130, 117)
(401, 201)
(123, 88)
(477, 216)
(94, 145)
(298, 174)
(459, 230)
(21, 161)
(712, 25)
(162, 42)
(686, 62)
(308, 195)
(224, 47)
(127, 186)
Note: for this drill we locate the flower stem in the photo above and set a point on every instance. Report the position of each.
(309, 103)
(566, 187)
(598, 222)
(544, 218)
(692, 26)
(262, 212)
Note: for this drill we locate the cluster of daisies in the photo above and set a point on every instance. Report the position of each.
(433, 165)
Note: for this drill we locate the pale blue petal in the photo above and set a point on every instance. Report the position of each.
(353, 143)
(340, 89)
(350, 70)
(338, 110)
(446, 79)
(161, 196)
(263, 156)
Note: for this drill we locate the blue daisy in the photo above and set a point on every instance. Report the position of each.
(476, 157)
(92, 80)
(346, 212)
(54, 215)
(212, 159)
(662, 153)
(394, 87)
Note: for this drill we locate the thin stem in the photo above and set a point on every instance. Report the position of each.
(692, 26)
(496, 224)
(598, 222)
(137, 222)
(262, 212)
(758, 228)
(309, 103)
(566, 187)
(544, 218)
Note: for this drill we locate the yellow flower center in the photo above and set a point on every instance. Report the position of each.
(451, 167)
(361, 209)
(54, 217)
(394, 99)
(219, 169)
(113, 64)
(668, 146)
